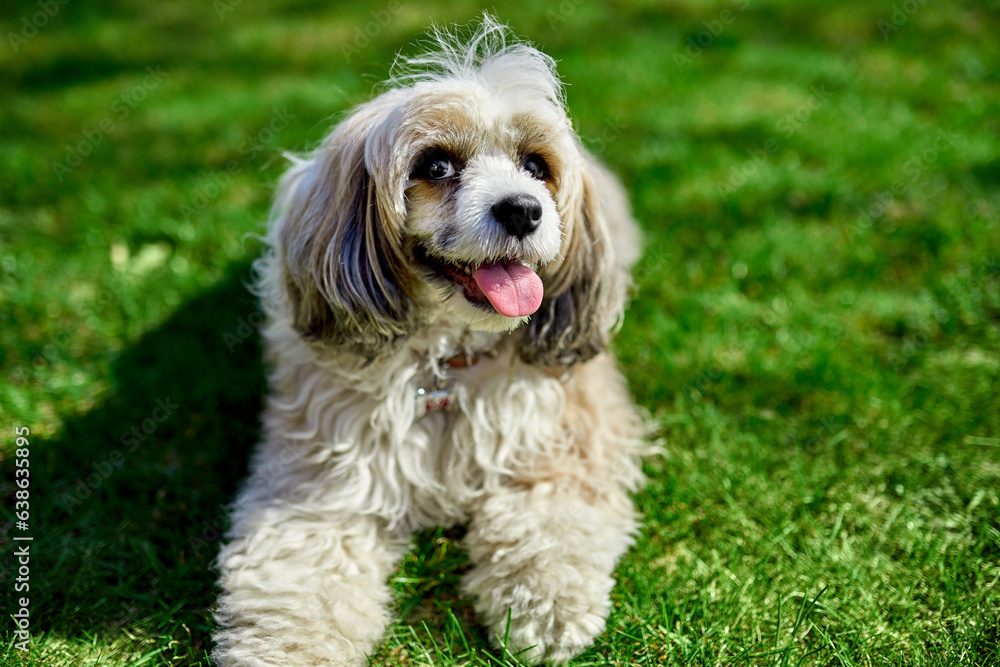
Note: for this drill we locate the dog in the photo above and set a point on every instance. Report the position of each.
(441, 280)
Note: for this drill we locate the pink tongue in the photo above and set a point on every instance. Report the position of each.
(512, 288)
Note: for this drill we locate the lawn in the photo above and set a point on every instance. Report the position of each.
(816, 325)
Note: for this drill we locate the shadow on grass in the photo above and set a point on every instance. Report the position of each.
(128, 501)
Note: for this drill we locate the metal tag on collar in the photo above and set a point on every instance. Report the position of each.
(438, 399)
(428, 401)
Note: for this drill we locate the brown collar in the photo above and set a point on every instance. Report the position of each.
(462, 360)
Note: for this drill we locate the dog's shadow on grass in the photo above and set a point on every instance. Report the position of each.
(129, 500)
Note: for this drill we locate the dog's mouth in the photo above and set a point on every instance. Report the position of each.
(504, 285)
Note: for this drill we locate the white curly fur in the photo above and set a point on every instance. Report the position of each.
(538, 458)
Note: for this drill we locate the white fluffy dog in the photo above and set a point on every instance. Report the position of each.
(443, 275)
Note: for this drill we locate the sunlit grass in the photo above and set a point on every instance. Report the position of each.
(816, 328)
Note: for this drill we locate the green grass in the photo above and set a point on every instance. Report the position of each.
(826, 381)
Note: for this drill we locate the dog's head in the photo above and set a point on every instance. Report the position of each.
(462, 192)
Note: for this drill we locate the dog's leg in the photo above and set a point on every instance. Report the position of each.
(303, 591)
(544, 557)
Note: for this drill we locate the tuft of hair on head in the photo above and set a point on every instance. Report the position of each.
(483, 52)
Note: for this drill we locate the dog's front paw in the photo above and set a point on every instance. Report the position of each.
(543, 565)
(549, 638)
(541, 616)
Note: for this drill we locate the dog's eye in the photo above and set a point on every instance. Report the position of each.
(536, 166)
(440, 169)
(434, 165)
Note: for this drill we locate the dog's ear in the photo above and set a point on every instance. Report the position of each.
(585, 293)
(338, 230)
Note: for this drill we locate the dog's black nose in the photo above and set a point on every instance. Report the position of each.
(519, 214)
